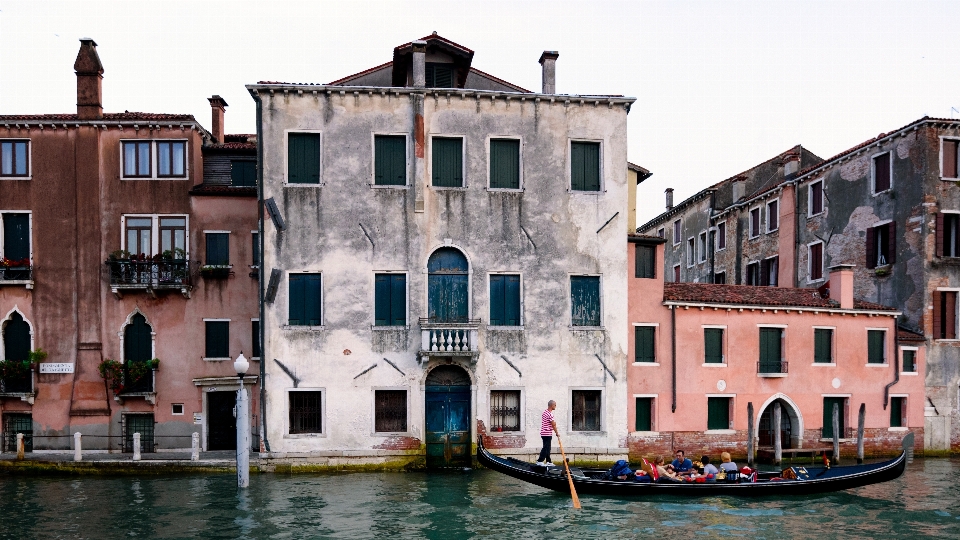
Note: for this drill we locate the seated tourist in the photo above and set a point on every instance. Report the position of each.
(681, 465)
(727, 465)
(708, 468)
(665, 473)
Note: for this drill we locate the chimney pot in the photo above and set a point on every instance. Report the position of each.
(549, 62)
(419, 64)
(89, 72)
(217, 107)
(669, 192)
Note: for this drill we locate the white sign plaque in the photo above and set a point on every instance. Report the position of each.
(52, 367)
(197, 418)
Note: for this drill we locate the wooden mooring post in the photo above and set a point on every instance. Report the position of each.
(836, 433)
(20, 447)
(777, 442)
(860, 421)
(750, 434)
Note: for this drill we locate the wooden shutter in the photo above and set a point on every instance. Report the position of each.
(644, 264)
(950, 315)
(871, 248)
(303, 158)
(896, 411)
(823, 345)
(218, 248)
(505, 163)
(718, 413)
(312, 300)
(576, 168)
(243, 173)
(770, 342)
(390, 160)
(765, 272)
(949, 159)
(940, 235)
(398, 299)
(713, 345)
(512, 300)
(217, 339)
(16, 236)
(816, 197)
(382, 298)
(447, 162)
(585, 300)
(585, 166)
(296, 294)
(255, 252)
(644, 421)
(272, 286)
(816, 261)
(828, 403)
(891, 242)
(909, 361)
(255, 334)
(881, 172)
(875, 346)
(938, 332)
(644, 343)
(676, 274)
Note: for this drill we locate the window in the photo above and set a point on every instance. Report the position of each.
(155, 235)
(176, 409)
(439, 75)
(447, 162)
(703, 247)
(585, 300)
(881, 245)
(815, 261)
(771, 351)
(586, 410)
(945, 315)
(691, 252)
(822, 345)
(755, 223)
(171, 158)
(676, 274)
(769, 271)
(14, 423)
(676, 232)
(949, 159)
(218, 339)
(661, 232)
(828, 404)
(881, 173)
(390, 302)
(255, 252)
(303, 158)
(645, 264)
(584, 166)
(14, 158)
(505, 300)
(306, 412)
(718, 413)
(948, 235)
(389, 160)
(218, 248)
(138, 159)
(16, 348)
(898, 411)
(753, 273)
(721, 236)
(255, 337)
(815, 198)
(305, 300)
(505, 163)
(645, 343)
(243, 173)
(505, 410)
(15, 241)
(720, 278)
(390, 411)
(773, 216)
(909, 361)
(448, 291)
(876, 350)
(713, 345)
(644, 417)
(142, 424)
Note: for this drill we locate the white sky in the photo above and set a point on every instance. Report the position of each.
(721, 85)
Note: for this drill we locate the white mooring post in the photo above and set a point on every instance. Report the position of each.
(136, 447)
(195, 449)
(777, 442)
(77, 451)
(20, 448)
(836, 434)
(243, 438)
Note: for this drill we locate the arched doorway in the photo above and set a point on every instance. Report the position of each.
(137, 348)
(16, 347)
(789, 430)
(448, 414)
(448, 296)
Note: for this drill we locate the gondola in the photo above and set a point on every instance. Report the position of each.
(590, 481)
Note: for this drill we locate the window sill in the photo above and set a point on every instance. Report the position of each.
(389, 186)
(714, 364)
(824, 364)
(28, 283)
(842, 440)
(254, 358)
(216, 359)
(386, 328)
(302, 328)
(877, 365)
(647, 364)
(811, 281)
(897, 429)
(505, 190)
(586, 433)
(945, 179)
(773, 231)
(506, 328)
(772, 375)
(587, 328)
(909, 373)
(161, 178)
(645, 433)
(720, 432)
(818, 214)
(304, 435)
(513, 432)
(591, 192)
(450, 188)
(16, 178)
(288, 185)
(875, 193)
(391, 434)
(946, 340)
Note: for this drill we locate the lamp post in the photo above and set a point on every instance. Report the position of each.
(243, 425)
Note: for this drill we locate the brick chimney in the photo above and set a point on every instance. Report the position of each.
(791, 164)
(217, 106)
(669, 192)
(738, 186)
(89, 81)
(841, 285)
(549, 62)
(419, 64)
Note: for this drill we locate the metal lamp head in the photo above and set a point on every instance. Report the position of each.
(241, 365)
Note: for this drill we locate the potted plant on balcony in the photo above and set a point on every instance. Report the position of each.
(112, 373)
(216, 271)
(14, 269)
(174, 265)
(14, 375)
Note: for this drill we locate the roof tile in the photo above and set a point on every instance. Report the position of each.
(750, 295)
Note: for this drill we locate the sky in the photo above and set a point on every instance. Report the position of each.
(721, 85)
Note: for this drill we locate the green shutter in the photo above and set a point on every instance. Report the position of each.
(16, 236)
(255, 334)
(645, 257)
(512, 300)
(909, 361)
(312, 300)
(505, 163)
(713, 345)
(822, 346)
(585, 300)
(381, 300)
(398, 299)
(243, 173)
(644, 343)
(447, 162)
(218, 339)
(770, 354)
(644, 414)
(875, 346)
(896, 412)
(497, 301)
(218, 248)
(585, 166)
(718, 413)
(828, 402)
(390, 160)
(296, 301)
(303, 158)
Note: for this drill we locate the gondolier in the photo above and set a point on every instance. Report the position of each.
(547, 427)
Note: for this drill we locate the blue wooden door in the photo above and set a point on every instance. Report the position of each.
(447, 286)
(448, 426)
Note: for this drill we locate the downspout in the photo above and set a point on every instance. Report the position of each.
(796, 234)
(673, 357)
(896, 364)
(263, 351)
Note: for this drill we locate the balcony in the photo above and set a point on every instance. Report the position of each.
(149, 275)
(449, 339)
(772, 369)
(19, 386)
(144, 387)
(16, 275)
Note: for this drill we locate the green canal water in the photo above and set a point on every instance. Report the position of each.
(923, 503)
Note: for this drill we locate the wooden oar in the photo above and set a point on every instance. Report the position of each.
(573, 490)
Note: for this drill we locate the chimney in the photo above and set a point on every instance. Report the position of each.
(89, 81)
(217, 106)
(791, 164)
(549, 62)
(841, 285)
(669, 192)
(419, 64)
(738, 186)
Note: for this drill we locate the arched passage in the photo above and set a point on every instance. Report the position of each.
(790, 425)
(448, 296)
(448, 414)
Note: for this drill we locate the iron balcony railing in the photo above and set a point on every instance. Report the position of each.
(451, 337)
(17, 385)
(772, 368)
(16, 273)
(149, 274)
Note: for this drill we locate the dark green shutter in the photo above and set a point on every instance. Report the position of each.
(645, 257)
(390, 160)
(505, 163)
(218, 339)
(447, 162)
(243, 173)
(16, 236)
(312, 300)
(718, 413)
(439, 75)
(896, 412)
(297, 293)
(303, 158)
(909, 361)
(828, 402)
(585, 300)
(255, 333)
(512, 301)
(875, 346)
(218, 248)
(822, 346)
(504, 300)
(585, 166)
(381, 293)
(644, 414)
(713, 345)
(255, 258)
(770, 353)
(497, 298)
(644, 343)
(390, 297)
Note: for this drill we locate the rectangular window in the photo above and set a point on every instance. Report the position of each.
(585, 300)
(828, 403)
(255, 251)
(881, 173)
(720, 278)
(718, 413)
(218, 249)
(661, 232)
(713, 345)
(815, 204)
(504, 163)
(171, 158)
(139, 232)
(815, 260)
(390, 302)
(390, 160)
(823, 345)
(950, 149)
(898, 411)
(16, 239)
(305, 300)
(645, 343)
(948, 235)
(218, 339)
(945, 315)
(676, 274)
(14, 423)
(721, 236)
(691, 252)
(584, 166)
(439, 75)
(303, 158)
(243, 173)
(755, 223)
(881, 245)
(390, 411)
(703, 247)
(876, 348)
(586, 410)
(14, 158)
(773, 215)
(645, 264)
(676, 232)
(771, 350)
(753, 273)
(136, 159)
(255, 338)
(909, 361)
(447, 162)
(504, 300)
(505, 410)
(173, 236)
(770, 271)
(644, 420)
(306, 413)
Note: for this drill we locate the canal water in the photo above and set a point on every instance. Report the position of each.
(481, 503)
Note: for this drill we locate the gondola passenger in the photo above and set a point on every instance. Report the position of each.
(727, 465)
(665, 473)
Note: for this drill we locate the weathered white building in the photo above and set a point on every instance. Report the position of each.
(442, 255)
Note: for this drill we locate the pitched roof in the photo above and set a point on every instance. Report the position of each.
(638, 238)
(750, 295)
(107, 117)
(904, 334)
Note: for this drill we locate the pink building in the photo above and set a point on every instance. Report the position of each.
(703, 352)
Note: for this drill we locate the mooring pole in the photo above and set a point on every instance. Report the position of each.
(195, 447)
(20, 449)
(777, 442)
(136, 447)
(860, 422)
(243, 425)
(77, 450)
(836, 433)
(750, 434)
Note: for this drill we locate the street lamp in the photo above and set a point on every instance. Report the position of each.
(243, 425)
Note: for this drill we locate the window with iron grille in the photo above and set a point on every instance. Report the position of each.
(14, 157)
(586, 410)
(390, 411)
(505, 410)
(142, 424)
(306, 414)
(14, 423)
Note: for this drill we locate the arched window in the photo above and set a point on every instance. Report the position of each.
(16, 348)
(137, 347)
(448, 286)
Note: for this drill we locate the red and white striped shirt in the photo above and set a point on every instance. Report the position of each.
(546, 423)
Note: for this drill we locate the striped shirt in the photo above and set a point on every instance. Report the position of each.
(546, 423)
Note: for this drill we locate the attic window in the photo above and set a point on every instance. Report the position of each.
(439, 75)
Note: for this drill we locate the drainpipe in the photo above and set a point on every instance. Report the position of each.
(896, 364)
(673, 357)
(263, 350)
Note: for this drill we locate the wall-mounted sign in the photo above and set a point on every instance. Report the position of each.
(51, 367)
(198, 418)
